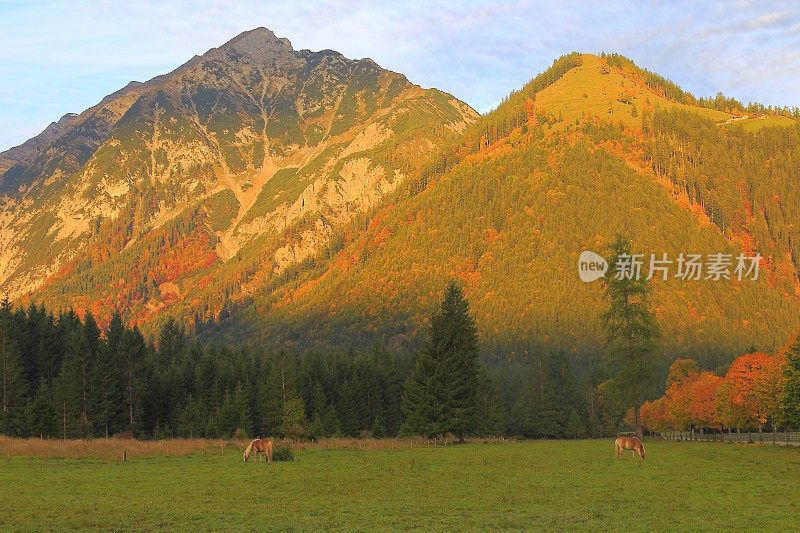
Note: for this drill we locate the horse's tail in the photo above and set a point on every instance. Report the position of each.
(642, 445)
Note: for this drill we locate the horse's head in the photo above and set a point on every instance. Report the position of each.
(245, 456)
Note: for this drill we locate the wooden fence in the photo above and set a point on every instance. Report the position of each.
(786, 438)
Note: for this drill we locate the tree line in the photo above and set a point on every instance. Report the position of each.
(66, 376)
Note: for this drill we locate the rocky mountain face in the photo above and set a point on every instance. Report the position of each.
(212, 179)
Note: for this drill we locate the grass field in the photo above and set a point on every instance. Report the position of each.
(530, 485)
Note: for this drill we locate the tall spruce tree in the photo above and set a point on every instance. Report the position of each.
(441, 393)
(631, 329)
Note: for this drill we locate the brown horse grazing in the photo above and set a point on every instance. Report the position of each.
(628, 443)
(258, 446)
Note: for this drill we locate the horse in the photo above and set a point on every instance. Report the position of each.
(628, 443)
(258, 446)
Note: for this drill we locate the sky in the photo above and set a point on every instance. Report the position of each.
(64, 56)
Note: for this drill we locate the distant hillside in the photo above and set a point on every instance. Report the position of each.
(585, 150)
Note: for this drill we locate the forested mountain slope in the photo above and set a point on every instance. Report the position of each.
(592, 147)
(293, 198)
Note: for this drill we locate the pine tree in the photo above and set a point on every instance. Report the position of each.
(490, 420)
(272, 395)
(325, 421)
(575, 428)
(68, 397)
(226, 416)
(91, 332)
(25, 330)
(41, 414)
(76, 380)
(241, 405)
(171, 341)
(114, 332)
(631, 330)
(12, 382)
(378, 429)
(392, 389)
(213, 407)
(130, 356)
(441, 394)
(423, 400)
(49, 348)
(293, 424)
(537, 412)
(107, 391)
(191, 420)
(348, 409)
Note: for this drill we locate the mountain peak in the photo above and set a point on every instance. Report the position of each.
(257, 42)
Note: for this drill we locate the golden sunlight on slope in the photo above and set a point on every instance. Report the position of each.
(595, 89)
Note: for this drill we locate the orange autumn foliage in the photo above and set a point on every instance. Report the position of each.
(746, 377)
(703, 399)
(749, 395)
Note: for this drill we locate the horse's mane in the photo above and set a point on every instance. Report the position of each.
(250, 447)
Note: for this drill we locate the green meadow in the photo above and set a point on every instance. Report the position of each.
(551, 485)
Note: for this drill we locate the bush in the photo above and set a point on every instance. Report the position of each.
(282, 452)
